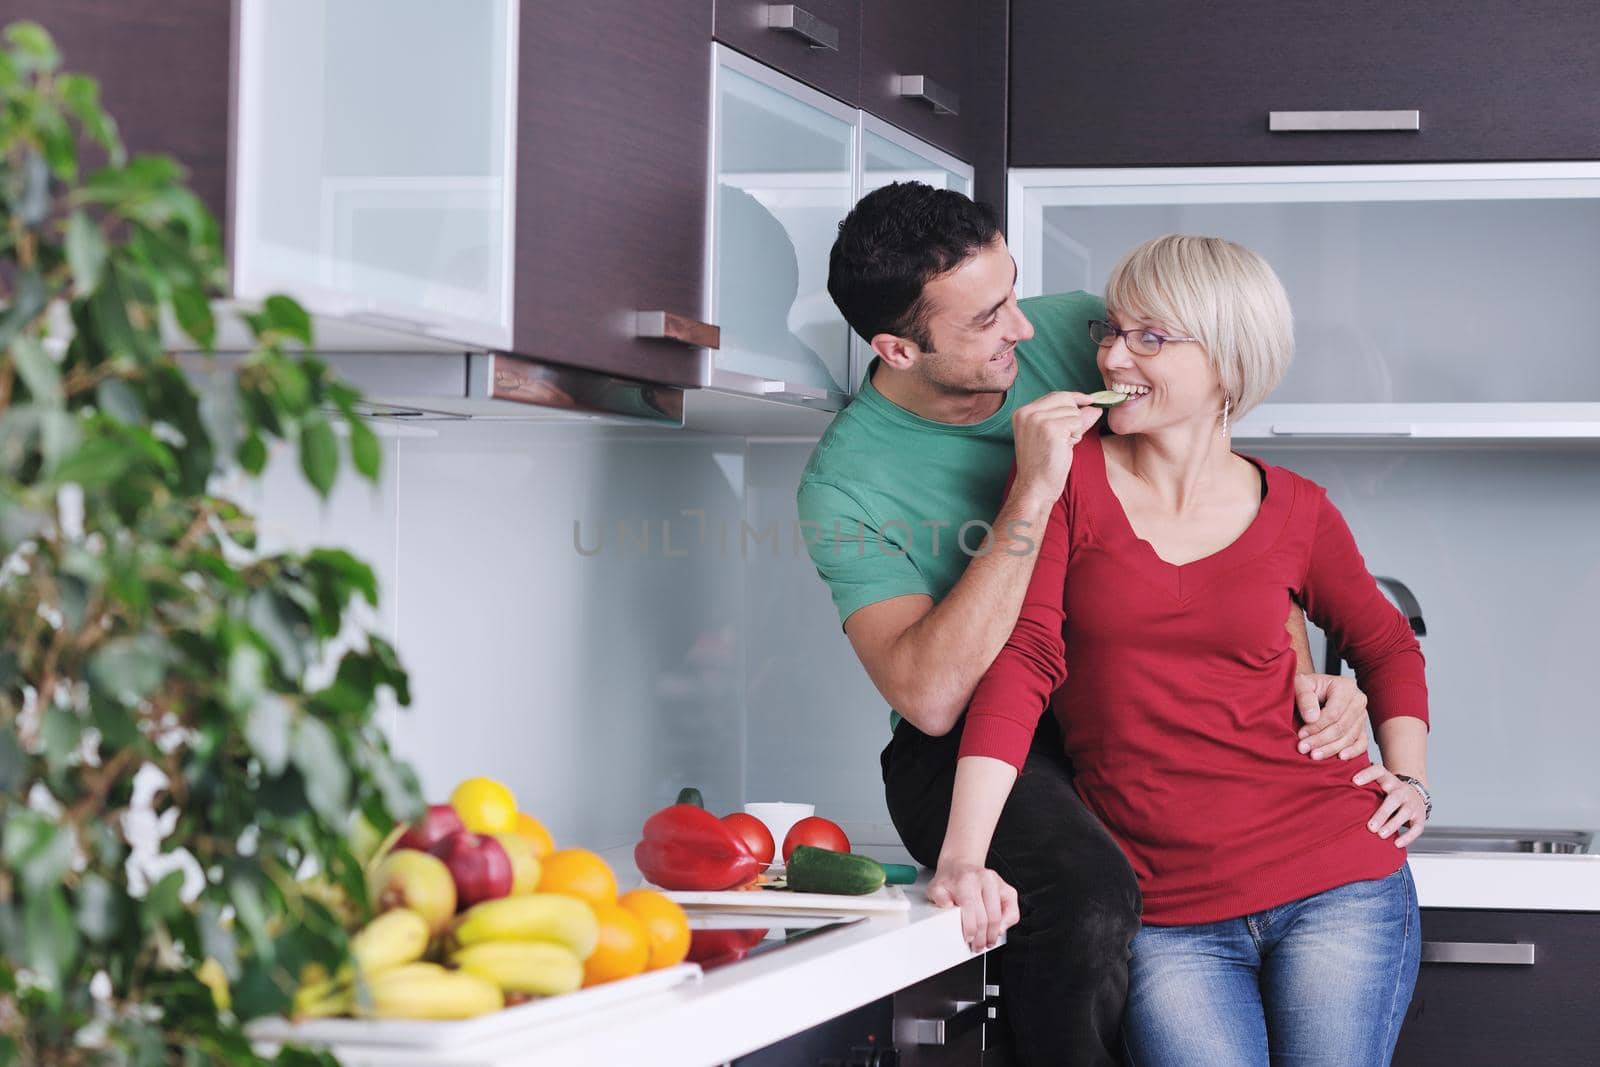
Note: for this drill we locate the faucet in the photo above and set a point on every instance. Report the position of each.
(1333, 660)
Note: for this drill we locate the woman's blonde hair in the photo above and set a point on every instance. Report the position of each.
(1219, 292)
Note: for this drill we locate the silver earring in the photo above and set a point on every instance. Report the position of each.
(1225, 407)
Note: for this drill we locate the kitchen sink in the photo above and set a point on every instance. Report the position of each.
(1501, 839)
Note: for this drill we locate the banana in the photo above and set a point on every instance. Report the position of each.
(535, 917)
(395, 937)
(409, 993)
(538, 968)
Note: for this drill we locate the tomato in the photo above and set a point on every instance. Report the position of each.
(816, 832)
(754, 833)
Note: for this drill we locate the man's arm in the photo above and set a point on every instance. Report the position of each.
(1333, 709)
(926, 658)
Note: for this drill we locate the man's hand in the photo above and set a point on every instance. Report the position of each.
(1334, 711)
(1046, 432)
(988, 905)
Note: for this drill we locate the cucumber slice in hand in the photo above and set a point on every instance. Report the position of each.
(1107, 398)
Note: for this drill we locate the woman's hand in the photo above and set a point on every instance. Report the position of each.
(1402, 804)
(988, 905)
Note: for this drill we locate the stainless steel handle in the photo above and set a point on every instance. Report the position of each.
(797, 20)
(665, 326)
(1343, 121)
(965, 1016)
(803, 392)
(1499, 953)
(1342, 429)
(919, 87)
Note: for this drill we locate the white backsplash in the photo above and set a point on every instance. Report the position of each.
(597, 680)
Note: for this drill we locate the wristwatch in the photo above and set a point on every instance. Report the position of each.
(1427, 797)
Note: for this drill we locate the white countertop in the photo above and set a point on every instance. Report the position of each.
(745, 1006)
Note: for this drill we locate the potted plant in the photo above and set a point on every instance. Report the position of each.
(178, 779)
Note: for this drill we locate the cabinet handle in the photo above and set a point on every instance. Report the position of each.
(791, 18)
(965, 1016)
(1343, 121)
(919, 87)
(1342, 429)
(1500, 953)
(804, 392)
(665, 326)
(393, 322)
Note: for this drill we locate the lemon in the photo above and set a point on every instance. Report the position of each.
(485, 806)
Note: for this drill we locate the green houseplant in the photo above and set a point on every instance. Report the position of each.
(143, 631)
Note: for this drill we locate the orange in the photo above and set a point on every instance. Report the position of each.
(580, 873)
(665, 925)
(485, 806)
(534, 831)
(623, 948)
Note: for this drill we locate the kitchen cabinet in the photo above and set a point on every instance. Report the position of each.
(1164, 82)
(1500, 987)
(527, 178)
(1419, 291)
(163, 72)
(817, 42)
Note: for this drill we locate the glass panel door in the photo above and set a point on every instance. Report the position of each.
(784, 178)
(375, 157)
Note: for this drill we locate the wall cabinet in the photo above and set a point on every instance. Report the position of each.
(1418, 291)
(521, 177)
(1164, 82)
(1499, 987)
(817, 42)
(163, 72)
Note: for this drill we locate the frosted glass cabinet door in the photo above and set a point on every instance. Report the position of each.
(375, 154)
(783, 178)
(1438, 284)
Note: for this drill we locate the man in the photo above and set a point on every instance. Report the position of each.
(927, 555)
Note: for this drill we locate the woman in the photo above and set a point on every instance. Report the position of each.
(1280, 920)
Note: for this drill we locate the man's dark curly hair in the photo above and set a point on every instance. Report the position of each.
(893, 243)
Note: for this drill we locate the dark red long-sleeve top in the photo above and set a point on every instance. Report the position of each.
(1174, 687)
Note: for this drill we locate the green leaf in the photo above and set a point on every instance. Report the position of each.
(283, 627)
(13, 763)
(37, 850)
(267, 728)
(284, 315)
(37, 370)
(319, 452)
(393, 674)
(102, 909)
(32, 205)
(29, 295)
(98, 461)
(252, 454)
(49, 936)
(129, 668)
(164, 900)
(193, 310)
(249, 907)
(86, 251)
(81, 94)
(365, 452)
(61, 732)
(33, 46)
(352, 573)
(119, 400)
(323, 766)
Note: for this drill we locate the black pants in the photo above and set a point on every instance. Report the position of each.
(1064, 968)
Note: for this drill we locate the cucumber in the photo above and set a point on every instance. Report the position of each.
(690, 795)
(817, 870)
(1107, 398)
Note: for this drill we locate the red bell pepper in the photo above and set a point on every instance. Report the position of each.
(686, 847)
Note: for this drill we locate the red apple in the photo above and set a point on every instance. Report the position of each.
(436, 824)
(479, 865)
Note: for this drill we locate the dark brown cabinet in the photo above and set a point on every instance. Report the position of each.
(1470, 1011)
(163, 72)
(817, 42)
(1168, 82)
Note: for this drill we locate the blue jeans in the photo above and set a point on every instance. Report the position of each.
(1320, 981)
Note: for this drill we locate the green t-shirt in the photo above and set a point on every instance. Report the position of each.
(893, 504)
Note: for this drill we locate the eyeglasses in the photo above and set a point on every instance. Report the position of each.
(1141, 342)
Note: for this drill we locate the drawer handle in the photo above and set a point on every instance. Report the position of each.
(1343, 121)
(800, 392)
(665, 326)
(919, 87)
(1499, 953)
(791, 18)
(965, 1016)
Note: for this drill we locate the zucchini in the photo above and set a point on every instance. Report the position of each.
(817, 870)
(691, 796)
(1107, 398)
